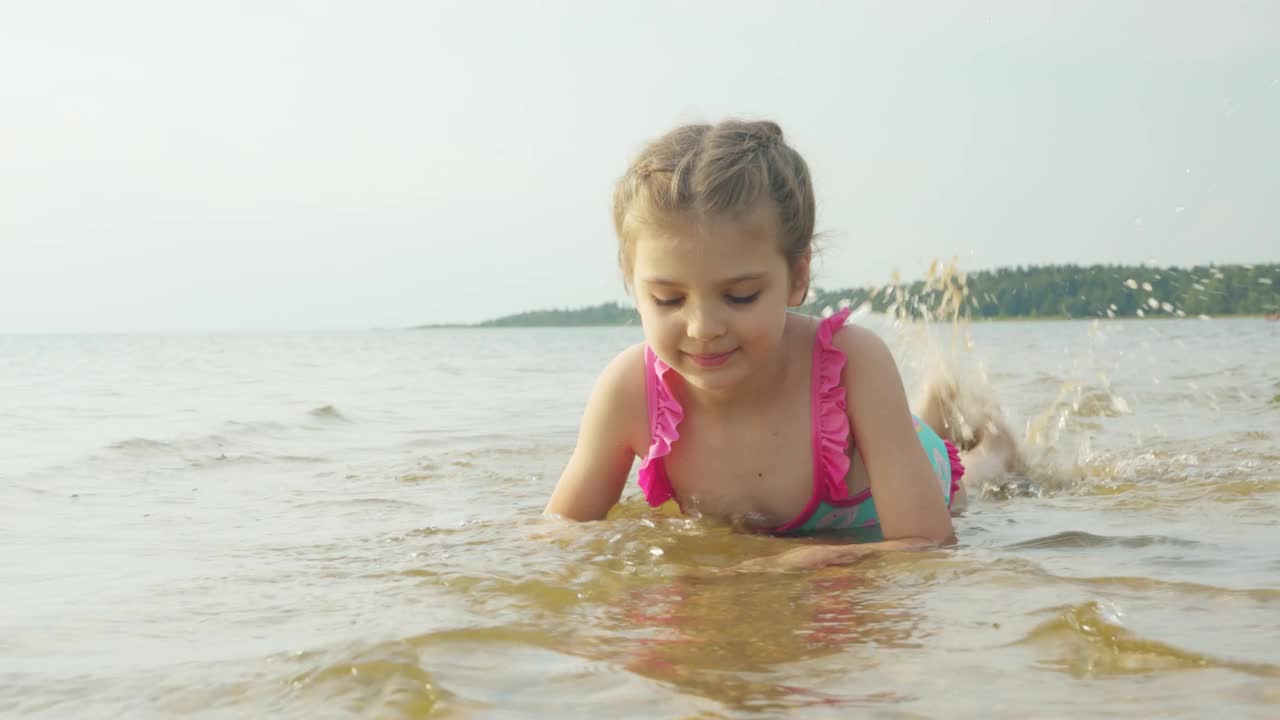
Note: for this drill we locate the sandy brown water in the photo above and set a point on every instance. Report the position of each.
(349, 525)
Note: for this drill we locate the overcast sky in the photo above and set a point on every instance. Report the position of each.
(273, 165)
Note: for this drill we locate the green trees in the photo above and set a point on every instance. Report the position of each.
(1049, 291)
(1072, 291)
(606, 314)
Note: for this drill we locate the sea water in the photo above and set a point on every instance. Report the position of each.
(349, 525)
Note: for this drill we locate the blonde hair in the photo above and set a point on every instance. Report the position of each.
(716, 171)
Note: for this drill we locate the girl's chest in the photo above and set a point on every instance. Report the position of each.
(756, 471)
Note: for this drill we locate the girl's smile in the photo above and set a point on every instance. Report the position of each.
(712, 360)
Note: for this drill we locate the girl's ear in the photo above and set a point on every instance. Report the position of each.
(800, 280)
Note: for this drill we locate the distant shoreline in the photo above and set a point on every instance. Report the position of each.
(1052, 292)
(982, 320)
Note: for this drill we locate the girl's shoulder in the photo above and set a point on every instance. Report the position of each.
(868, 361)
(622, 386)
(625, 371)
(857, 341)
(854, 346)
(841, 334)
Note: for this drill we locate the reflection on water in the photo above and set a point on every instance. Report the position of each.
(344, 525)
(730, 638)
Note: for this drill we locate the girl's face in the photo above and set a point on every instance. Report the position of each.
(713, 296)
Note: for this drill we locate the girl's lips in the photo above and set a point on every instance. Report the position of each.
(711, 360)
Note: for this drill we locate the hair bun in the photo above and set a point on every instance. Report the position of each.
(706, 172)
(761, 135)
(770, 129)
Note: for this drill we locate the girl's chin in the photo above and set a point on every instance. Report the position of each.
(712, 378)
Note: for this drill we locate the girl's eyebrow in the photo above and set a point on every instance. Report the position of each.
(731, 281)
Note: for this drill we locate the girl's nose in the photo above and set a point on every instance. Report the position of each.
(704, 324)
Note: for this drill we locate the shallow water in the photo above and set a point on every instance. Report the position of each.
(349, 525)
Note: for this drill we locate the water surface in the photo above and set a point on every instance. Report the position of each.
(348, 525)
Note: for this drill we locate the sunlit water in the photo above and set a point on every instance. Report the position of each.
(349, 525)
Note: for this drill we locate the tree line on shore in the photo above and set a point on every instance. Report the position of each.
(1048, 291)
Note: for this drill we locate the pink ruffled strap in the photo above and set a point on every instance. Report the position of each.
(665, 414)
(830, 416)
(957, 470)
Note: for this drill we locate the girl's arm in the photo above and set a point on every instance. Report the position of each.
(912, 510)
(593, 481)
(913, 513)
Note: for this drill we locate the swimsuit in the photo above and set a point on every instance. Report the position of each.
(829, 507)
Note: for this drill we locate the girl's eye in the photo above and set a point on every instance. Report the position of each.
(743, 299)
(668, 302)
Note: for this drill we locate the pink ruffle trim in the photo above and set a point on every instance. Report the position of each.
(957, 469)
(830, 415)
(665, 414)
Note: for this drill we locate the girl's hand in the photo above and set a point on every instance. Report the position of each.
(806, 558)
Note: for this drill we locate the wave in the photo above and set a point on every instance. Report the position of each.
(1028, 572)
(354, 504)
(1211, 374)
(1149, 585)
(233, 432)
(327, 412)
(386, 681)
(1088, 640)
(1206, 467)
(216, 447)
(1081, 539)
(141, 446)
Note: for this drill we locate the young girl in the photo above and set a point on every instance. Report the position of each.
(738, 408)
